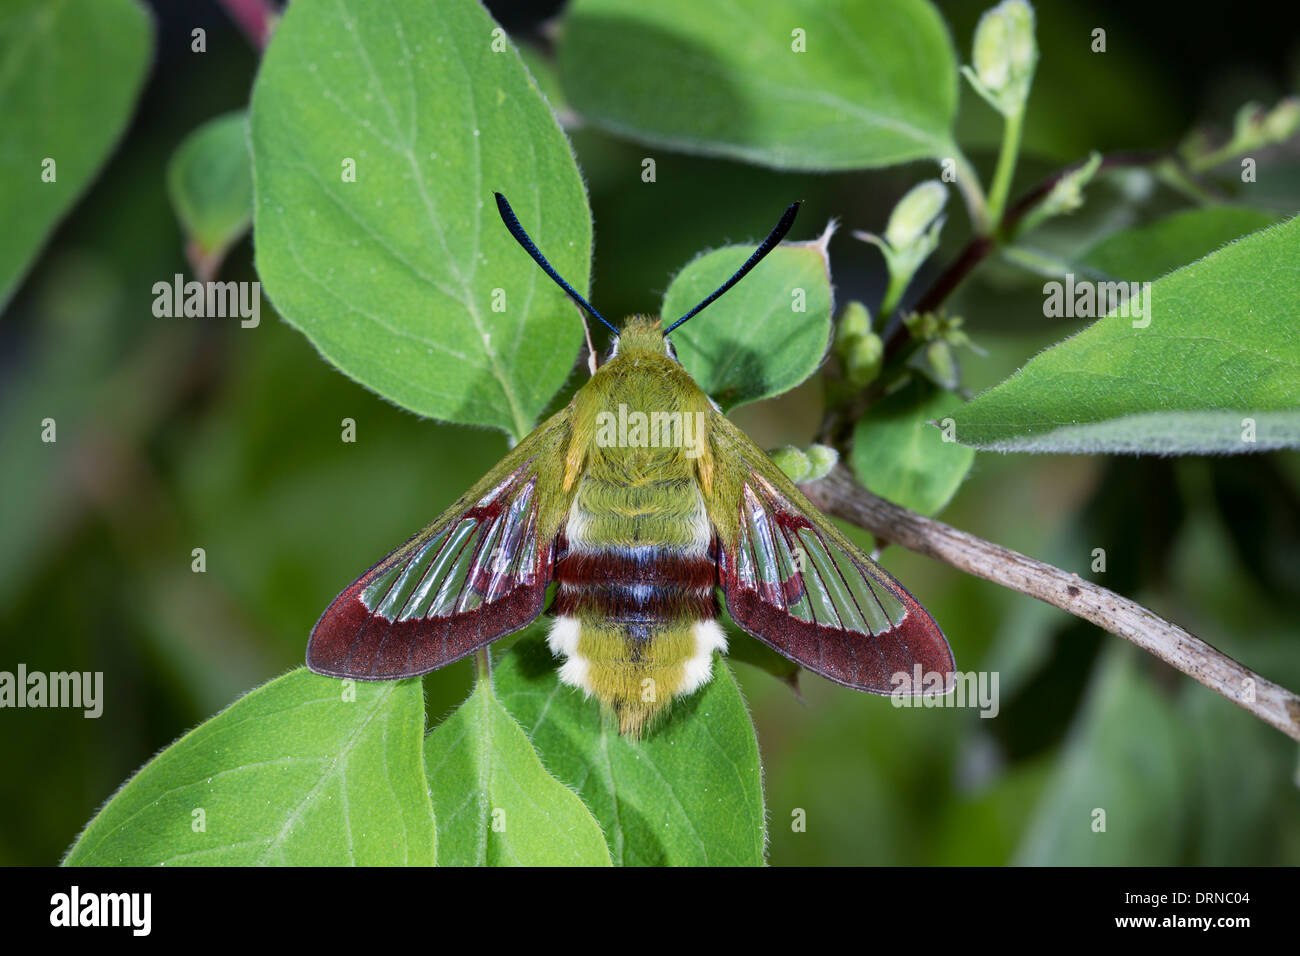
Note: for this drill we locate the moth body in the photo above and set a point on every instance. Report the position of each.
(635, 606)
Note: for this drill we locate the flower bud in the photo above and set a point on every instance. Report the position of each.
(821, 459)
(1004, 55)
(1282, 121)
(914, 213)
(863, 360)
(1066, 195)
(854, 322)
(792, 461)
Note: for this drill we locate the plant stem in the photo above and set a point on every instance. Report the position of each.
(1172, 175)
(1006, 167)
(981, 246)
(839, 495)
(893, 293)
(968, 181)
(482, 665)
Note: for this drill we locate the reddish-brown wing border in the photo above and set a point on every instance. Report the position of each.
(864, 660)
(352, 640)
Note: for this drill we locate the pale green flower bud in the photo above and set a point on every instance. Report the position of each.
(1004, 55)
(792, 461)
(1282, 120)
(914, 213)
(821, 458)
(910, 236)
(854, 323)
(863, 359)
(1066, 196)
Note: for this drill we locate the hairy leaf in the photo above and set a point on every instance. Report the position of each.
(689, 793)
(303, 771)
(496, 804)
(766, 334)
(900, 454)
(210, 182)
(806, 86)
(1145, 253)
(405, 278)
(70, 73)
(1212, 365)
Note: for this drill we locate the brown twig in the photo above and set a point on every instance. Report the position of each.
(840, 495)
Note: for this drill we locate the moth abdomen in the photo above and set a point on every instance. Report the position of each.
(636, 626)
(648, 584)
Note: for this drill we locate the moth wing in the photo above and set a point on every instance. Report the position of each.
(794, 581)
(478, 572)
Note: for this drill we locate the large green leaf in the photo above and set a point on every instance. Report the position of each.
(210, 182)
(900, 454)
(70, 71)
(689, 793)
(1145, 253)
(765, 335)
(875, 85)
(1117, 794)
(395, 277)
(496, 804)
(303, 771)
(1220, 359)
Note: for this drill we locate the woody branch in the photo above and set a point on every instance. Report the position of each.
(840, 495)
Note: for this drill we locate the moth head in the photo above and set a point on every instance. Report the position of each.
(643, 333)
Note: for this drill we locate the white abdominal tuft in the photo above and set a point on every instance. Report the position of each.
(574, 673)
(699, 666)
(563, 638)
(563, 642)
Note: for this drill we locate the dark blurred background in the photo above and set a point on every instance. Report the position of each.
(176, 434)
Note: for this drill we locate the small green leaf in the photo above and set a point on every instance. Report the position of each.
(806, 86)
(1212, 365)
(900, 455)
(70, 73)
(210, 182)
(496, 804)
(406, 278)
(767, 334)
(1145, 253)
(689, 793)
(303, 771)
(1117, 795)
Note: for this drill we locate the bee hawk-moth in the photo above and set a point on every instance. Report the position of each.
(644, 505)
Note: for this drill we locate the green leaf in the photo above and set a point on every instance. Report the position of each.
(1218, 365)
(303, 771)
(396, 277)
(70, 73)
(752, 344)
(1145, 253)
(689, 793)
(1124, 760)
(876, 85)
(210, 182)
(496, 804)
(899, 454)
(545, 74)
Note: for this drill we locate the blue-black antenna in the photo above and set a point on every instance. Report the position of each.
(766, 246)
(512, 223)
